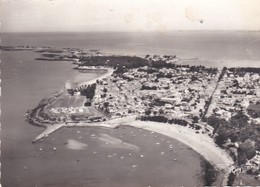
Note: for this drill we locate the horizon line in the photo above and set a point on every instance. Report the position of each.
(14, 32)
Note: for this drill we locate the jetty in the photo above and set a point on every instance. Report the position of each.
(47, 131)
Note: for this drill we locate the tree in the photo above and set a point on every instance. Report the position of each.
(241, 159)
(248, 149)
(195, 119)
(239, 120)
(246, 133)
(88, 103)
(257, 145)
(233, 135)
(106, 104)
(89, 92)
(161, 111)
(221, 137)
(148, 112)
(216, 122)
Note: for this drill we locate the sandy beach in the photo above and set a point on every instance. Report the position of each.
(201, 143)
(136, 156)
(102, 76)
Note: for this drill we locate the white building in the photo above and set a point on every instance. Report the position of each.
(67, 85)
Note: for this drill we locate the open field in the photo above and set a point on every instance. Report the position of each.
(66, 101)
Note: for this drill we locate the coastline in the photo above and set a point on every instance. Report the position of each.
(220, 63)
(198, 142)
(201, 143)
(52, 128)
(212, 157)
(23, 148)
(147, 163)
(102, 76)
(215, 155)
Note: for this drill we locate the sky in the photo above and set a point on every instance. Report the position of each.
(128, 15)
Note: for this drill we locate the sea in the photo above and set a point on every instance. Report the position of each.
(237, 48)
(102, 162)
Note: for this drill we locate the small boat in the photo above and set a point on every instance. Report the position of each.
(174, 159)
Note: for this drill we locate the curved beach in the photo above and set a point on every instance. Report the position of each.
(201, 143)
(102, 76)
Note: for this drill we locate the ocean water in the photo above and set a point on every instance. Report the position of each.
(26, 81)
(226, 45)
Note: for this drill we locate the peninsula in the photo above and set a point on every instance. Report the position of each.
(203, 107)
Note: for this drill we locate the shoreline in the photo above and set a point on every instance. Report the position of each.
(229, 63)
(50, 128)
(99, 77)
(217, 157)
(168, 156)
(200, 143)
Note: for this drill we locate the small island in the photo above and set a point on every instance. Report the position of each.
(215, 111)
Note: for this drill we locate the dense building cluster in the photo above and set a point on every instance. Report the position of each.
(236, 91)
(179, 92)
(234, 115)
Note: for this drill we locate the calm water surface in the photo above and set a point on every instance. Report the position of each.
(205, 45)
(26, 81)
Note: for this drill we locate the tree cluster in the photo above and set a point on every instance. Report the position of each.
(89, 91)
(164, 119)
(242, 71)
(114, 61)
(237, 129)
(144, 87)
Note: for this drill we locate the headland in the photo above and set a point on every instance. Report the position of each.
(210, 109)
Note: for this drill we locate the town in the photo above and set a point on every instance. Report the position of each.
(196, 97)
(222, 103)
